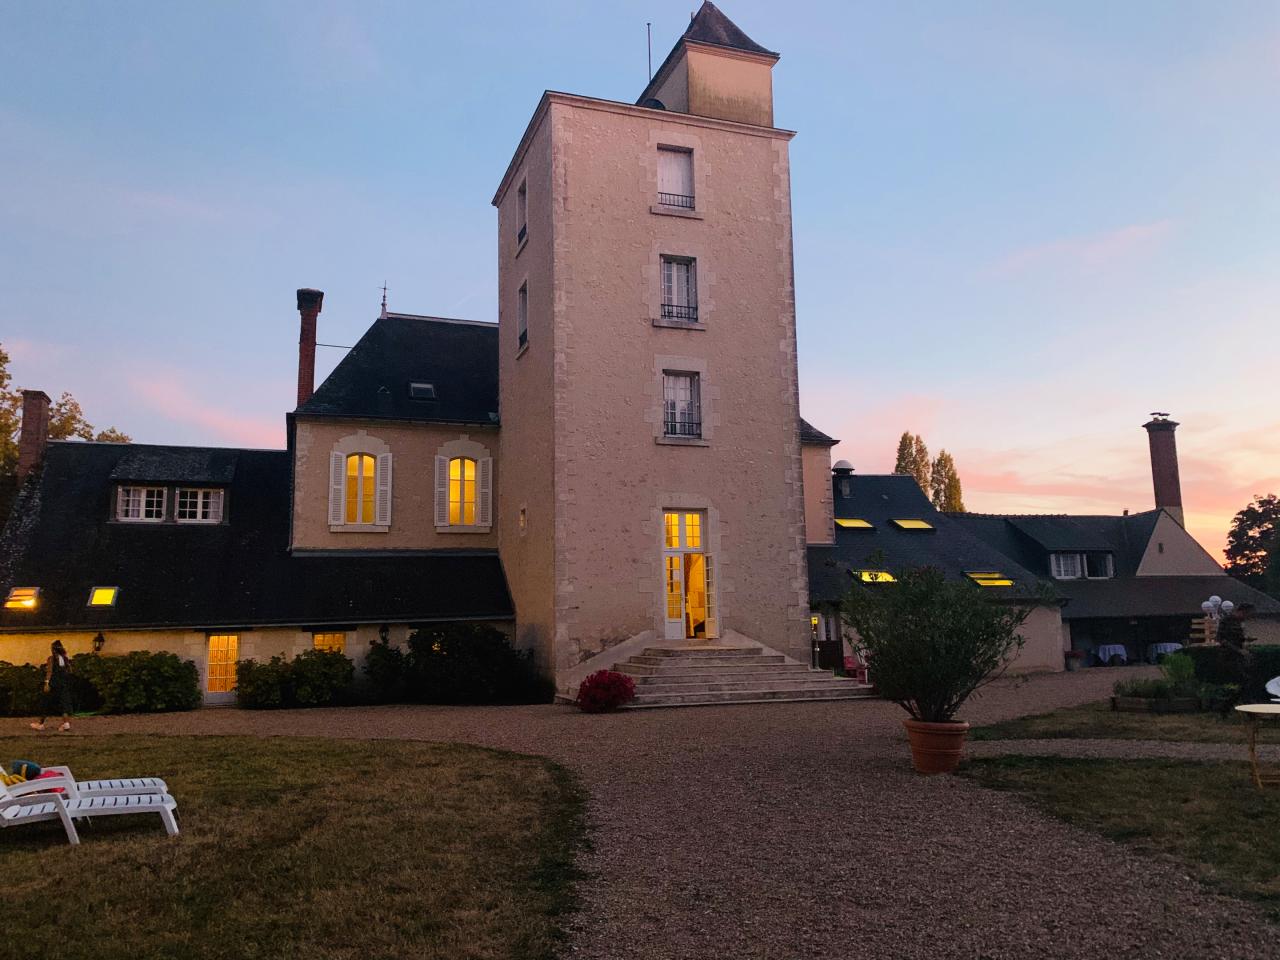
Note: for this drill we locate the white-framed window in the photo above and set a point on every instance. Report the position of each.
(689, 577)
(1090, 565)
(464, 487)
(675, 177)
(140, 504)
(198, 505)
(679, 288)
(522, 316)
(359, 484)
(522, 211)
(681, 404)
(1065, 566)
(1099, 565)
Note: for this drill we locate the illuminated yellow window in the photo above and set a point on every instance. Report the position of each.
(693, 530)
(22, 598)
(330, 642)
(462, 491)
(913, 524)
(672, 522)
(989, 578)
(851, 523)
(360, 480)
(103, 596)
(876, 576)
(224, 648)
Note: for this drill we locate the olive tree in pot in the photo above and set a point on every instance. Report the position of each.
(930, 643)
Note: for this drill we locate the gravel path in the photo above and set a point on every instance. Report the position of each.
(798, 831)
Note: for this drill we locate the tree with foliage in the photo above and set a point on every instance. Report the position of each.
(945, 484)
(1253, 544)
(913, 459)
(906, 454)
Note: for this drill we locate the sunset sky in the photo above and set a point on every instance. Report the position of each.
(1019, 228)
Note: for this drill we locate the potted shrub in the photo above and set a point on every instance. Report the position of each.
(934, 643)
(1074, 659)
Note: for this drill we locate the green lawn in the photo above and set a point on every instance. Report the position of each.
(1096, 721)
(299, 848)
(1209, 816)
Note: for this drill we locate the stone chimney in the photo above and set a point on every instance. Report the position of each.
(309, 303)
(34, 436)
(1164, 464)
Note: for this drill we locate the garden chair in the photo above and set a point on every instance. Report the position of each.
(115, 787)
(31, 802)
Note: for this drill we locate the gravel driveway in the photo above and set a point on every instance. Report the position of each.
(799, 830)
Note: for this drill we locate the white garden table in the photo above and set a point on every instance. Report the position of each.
(1109, 650)
(1255, 712)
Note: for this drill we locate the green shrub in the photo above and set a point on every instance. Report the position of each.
(143, 681)
(1179, 672)
(319, 677)
(1249, 672)
(1151, 688)
(386, 668)
(471, 663)
(21, 690)
(262, 686)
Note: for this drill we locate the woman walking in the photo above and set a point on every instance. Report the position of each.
(57, 686)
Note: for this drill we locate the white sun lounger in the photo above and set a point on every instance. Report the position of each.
(21, 803)
(123, 786)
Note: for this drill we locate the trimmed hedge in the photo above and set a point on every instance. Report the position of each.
(138, 682)
(314, 678)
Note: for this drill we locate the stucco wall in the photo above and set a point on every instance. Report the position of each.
(819, 505)
(1173, 552)
(611, 479)
(413, 450)
(731, 85)
(1045, 642)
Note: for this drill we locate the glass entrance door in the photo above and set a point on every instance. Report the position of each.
(688, 578)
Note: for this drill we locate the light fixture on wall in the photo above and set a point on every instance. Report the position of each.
(384, 633)
(99, 642)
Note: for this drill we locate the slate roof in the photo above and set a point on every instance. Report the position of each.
(237, 574)
(811, 434)
(948, 547)
(709, 25)
(458, 357)
(1030, 540)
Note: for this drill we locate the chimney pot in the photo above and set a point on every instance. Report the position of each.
(33, 438)
(1164, 465)
(309, 304)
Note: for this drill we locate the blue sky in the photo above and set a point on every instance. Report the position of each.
(1019, 227)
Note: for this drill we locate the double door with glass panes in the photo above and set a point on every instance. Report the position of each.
(689, 577)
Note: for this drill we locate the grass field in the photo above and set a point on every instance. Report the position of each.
(1096, 721)
(1208, 816)
(299, 848)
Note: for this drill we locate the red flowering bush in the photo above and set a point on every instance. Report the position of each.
(605, 690)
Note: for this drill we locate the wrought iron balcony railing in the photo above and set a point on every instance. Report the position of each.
(682, 200)
(677, 311)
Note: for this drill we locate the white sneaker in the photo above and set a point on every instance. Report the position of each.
(37, 726)
(65, 727)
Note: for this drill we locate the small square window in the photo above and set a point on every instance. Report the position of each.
(140, 504)
(199, 505)
(421, 391)
(912, 523)
(22, 598)
(1065, 566)
(103, 596)
(853, 523)
(329, 642)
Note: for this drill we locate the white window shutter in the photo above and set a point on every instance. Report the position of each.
(337, 487)
(442, 491)
(382, 492)
(713, 619)
(484, 492)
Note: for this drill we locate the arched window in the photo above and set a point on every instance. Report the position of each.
(462, 491)
(359, 484)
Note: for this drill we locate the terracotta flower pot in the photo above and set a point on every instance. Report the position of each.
(936, 747)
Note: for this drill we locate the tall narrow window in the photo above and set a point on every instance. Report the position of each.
(681, 405)
(462, 491)
(224, 648)
(679, 288)
(522, 315)
(140, 504)
(522, 211)
(675, 177)
(360, 485)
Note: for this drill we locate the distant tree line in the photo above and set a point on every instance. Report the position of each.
(1253, 544)
(937, 478)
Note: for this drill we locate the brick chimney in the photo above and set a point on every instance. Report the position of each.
(309, 303)
(1164, 464)
(34, 435)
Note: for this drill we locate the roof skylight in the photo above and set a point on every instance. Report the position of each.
(420, 390)
(876, 576)
(103, 596)
(22, 598)
(912, 523)
(854, 523)
(989, 578)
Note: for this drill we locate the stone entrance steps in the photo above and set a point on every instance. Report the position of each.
(679, 675)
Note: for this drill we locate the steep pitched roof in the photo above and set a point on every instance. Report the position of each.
(879, 500)
(240, 573)
(710, 25)
(811, 434)
(459, 358)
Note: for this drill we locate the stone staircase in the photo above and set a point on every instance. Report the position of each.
(681, 675)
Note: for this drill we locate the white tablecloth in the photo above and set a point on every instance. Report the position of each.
(1109, 650)
(1155, 649)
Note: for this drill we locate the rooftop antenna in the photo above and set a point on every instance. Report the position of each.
(383, 315)
(648, 32)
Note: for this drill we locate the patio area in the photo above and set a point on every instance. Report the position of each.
(799, 830)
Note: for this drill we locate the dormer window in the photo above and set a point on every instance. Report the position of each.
(199, 505)
(140, 504)
(422, 391)
(1091, 565)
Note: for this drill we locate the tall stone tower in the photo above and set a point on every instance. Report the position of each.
(652, 483)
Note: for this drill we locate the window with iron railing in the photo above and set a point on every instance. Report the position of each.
(522, 316)
(679, 288)
(522, 212)
(675, 178)
(681, 405)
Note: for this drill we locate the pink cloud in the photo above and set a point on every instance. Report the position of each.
(1087, 253)
(175, 401)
